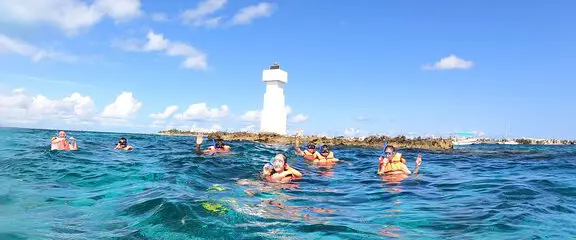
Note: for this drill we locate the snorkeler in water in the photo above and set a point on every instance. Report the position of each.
(393, 163)
(308, 154)
(123, 144)
(279, 170)
(219, 146)
(326, 155)
(61, 143)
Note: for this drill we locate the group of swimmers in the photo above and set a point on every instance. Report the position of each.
(62, 143)
(390, 163)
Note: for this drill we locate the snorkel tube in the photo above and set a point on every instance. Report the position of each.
(384, 149)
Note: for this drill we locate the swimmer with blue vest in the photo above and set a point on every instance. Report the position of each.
(392, 162)
(218, 145)
(279, 170)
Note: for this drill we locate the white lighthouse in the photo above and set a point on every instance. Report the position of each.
(273, 118)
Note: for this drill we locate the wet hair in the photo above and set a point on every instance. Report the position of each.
(391, 148)
(125, 143)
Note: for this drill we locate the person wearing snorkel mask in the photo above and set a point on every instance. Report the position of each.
(326, 155)
(123, 144)
(218, 147)
(393, 163)
(61, 143)
(279, 170)
(308, 154)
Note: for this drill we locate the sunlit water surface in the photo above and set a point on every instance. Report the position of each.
(162, 190)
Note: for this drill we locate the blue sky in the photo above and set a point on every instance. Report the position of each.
(355, 68)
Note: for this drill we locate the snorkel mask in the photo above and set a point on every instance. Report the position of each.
(324, 149)
(311, 146)
(279, 162)
(218, 143)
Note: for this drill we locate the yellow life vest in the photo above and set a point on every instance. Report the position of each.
(308, 153)
(396, 164)
(330, 155)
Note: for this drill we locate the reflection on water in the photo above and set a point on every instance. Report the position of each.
(161, 190)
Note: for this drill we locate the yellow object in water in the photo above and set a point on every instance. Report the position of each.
(214, 207)
(396, 164)
(216, 187)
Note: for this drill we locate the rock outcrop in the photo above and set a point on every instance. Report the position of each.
(371, 141)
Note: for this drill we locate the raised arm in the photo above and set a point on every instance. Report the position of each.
(199, 140)
(418, 163)
(297, 145)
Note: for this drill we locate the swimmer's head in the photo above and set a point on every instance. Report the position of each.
(311, 147)
(279, 162)
(219, 143)
(325, 150)
(389, 151)
(123, 140)
(61, 134)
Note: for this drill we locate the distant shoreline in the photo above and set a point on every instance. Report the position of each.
(370, 141)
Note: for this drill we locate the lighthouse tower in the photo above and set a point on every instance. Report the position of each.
(273, 118)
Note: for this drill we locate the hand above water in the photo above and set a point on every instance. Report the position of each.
(419, 159)
(298, 132)
(199, 139)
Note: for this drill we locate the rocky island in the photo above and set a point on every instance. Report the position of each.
(371, 141)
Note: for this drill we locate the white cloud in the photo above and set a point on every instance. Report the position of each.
(159, 17)
(19, 107)
(201, 112)
(166, 114)
(299, 118)
(351, 132)
(251, 116)
(71, 16)
(125, 106)
(248, 14)
(362, 119)
(194, 58)
(450, 62)
(214, 128)
(156, 42)
(15, 46)
(199, 16)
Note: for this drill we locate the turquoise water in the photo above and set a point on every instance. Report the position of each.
(162, 190)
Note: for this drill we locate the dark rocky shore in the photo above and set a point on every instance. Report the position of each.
(371, 141)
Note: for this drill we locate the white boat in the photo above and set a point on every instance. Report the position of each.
(464, 141)
(509, 142)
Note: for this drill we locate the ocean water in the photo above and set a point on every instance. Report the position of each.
(162, 190)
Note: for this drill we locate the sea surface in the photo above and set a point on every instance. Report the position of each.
(163, 190)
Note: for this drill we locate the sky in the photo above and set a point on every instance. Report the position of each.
(356, 68)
